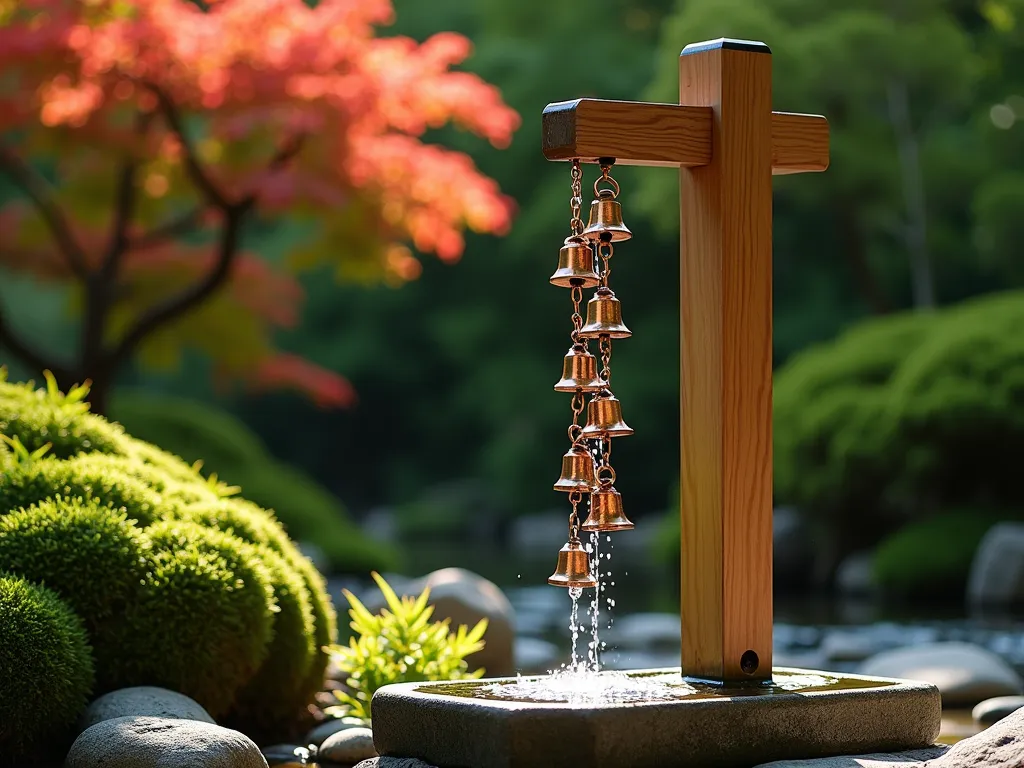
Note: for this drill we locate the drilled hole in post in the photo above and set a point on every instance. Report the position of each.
(749, 662)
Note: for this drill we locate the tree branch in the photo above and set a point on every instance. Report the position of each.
(180, 225)
(38, 192)
(175, 306)
(10, 341)
(195, 170)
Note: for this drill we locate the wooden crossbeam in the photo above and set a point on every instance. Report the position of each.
(669, 135)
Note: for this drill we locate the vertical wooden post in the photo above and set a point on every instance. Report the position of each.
(726, 361)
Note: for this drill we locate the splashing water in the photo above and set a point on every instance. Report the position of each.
(593, 653)
(574, 627)
(583, 687)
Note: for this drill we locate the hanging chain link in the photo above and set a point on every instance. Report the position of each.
(605, 345)
(577, 317)
(576, 201)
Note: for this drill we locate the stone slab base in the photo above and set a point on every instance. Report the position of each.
(855, 715)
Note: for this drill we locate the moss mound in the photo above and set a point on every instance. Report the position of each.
(285, 672)
(202, 621)
(34, 481)
(177, 582)
(46, 668)
(46, 416)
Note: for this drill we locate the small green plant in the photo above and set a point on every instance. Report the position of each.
(399, 645)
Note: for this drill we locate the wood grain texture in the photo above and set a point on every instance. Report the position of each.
(634, 133)
(726, 332)
(800, 143)
(669, 135)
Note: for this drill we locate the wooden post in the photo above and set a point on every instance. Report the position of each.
(727, 143)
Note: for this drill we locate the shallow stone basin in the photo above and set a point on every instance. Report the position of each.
(464, 725)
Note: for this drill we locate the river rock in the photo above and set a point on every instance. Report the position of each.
(465, 598)
(347, 747)
(997, 571)
(991, 711)
(328, 728)
(393, 762)
(286, 756)
(845, 645)
(915, 758)
(155, 742)
(1001, 746)
(964, 674)
(142, 701)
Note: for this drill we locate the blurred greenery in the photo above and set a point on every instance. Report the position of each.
(921, 206)
(229, 450)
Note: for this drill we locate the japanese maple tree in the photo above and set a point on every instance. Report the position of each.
(148, 139)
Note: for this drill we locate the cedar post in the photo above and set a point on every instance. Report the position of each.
(727, 143)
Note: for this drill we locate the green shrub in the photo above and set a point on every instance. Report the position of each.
(901, 418)
(46, 416)
(174, 492)
(931, 559)
(257, 526)
(46, 669)
(276, 695)
(203, 618)
(87, 553)
(399, 645)
(227, 448)
(35, 481)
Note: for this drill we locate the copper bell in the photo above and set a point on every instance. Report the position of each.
(604, 316)
(606, 511)
(579, 372)
(577, 471)
(573, 567)
(606, 219)
(575, 265)
(604, 417)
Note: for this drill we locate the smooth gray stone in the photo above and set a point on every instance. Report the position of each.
(286, 756)
(143, 701)
(710, 732)
(964, 673)
(916, 758)
(347, 747)
(997, 571)
(153, 742)
(327, 728)
(992, 711)
(394, 762)
(1001, 746)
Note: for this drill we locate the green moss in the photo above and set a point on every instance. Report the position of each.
(203, 618)
(46, 416)
(931, 559)
(87, 553)
(257, 526)
(35, 481)
(276, 697)
(46, 668)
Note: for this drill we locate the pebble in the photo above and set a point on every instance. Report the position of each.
(155, 742)
(320, 733)
(347, 747)
(142, 701)
(992, 711)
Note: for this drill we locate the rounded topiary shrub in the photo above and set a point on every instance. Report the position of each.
(47, 416)
(274, 698)
(46, 668)
(34, 481)
(257, 526)
(87, 553)
(173, 492)
(202, 621)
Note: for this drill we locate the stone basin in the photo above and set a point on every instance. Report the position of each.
(463, 725)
